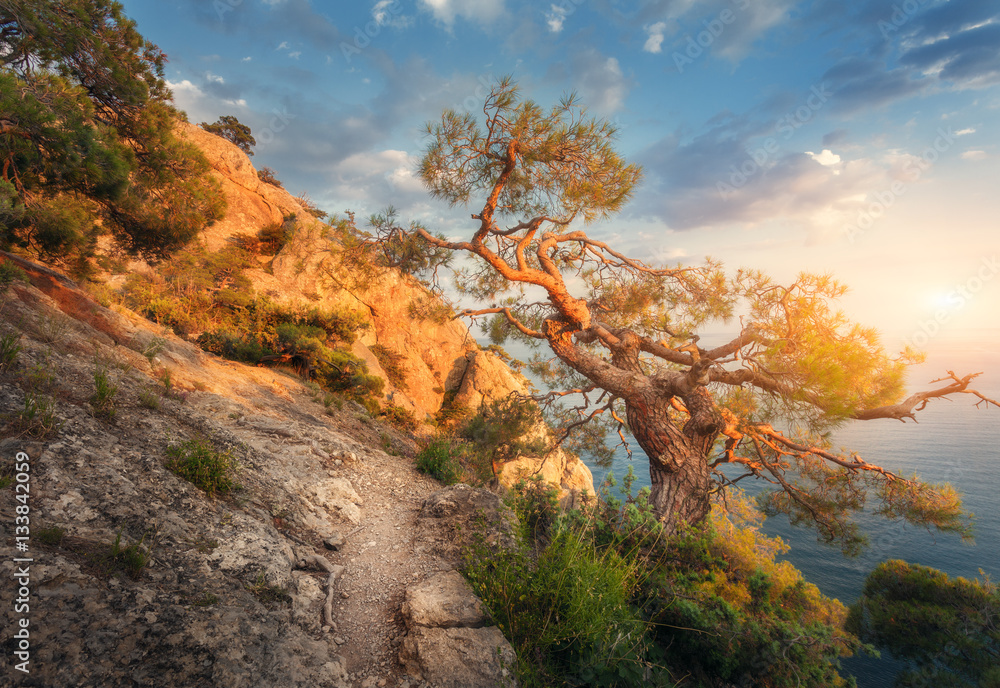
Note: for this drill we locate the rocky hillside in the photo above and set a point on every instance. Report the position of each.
(194, 521)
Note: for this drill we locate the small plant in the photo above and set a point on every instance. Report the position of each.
(50, 536)
(206, 600)
(103, 401)
(149, 399)
(128, 559)
(10, 347)
(52, 328)
(9, 273)
(38, 417)
(41, 377)
(198, 462)
(267, 593)
(153, 349)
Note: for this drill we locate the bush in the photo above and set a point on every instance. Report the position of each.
(567, 608)
(601, 597)
(440, 460)
(198, 462)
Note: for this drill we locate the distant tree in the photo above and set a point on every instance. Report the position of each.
(86, 135)
(268, 176)
(625, 333)
(947, 629)
(230, 128)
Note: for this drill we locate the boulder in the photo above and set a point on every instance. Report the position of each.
(448, 643)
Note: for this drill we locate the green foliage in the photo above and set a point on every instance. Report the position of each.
(948, 630)
(725, 607)
(400, 417)
(232, 130)
(149, 399)
(590, 183)
(37, 419)
(9, 272)
(128, 559)
(105, 390)
(267, 593)
(440, 460)
(198, 462)
(273, 237)
(90, 137)
(51, 536)
(602, 597)
(502, 430)
(567, 607)
(10, 347)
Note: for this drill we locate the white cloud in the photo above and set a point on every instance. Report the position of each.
(295, 55)
(481, 11)
(965, 132)
(247, 59)
(974, 155)
(598, 79)
(389, 13)
(214, 78)
(283, 46)
(654, 41)
(826, 157)
(556, 17)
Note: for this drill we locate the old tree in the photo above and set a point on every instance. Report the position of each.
(625, 332)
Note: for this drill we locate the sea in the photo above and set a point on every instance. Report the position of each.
(952, 441)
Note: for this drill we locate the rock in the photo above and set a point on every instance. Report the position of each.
(448, 643)
(335, 542)
(448, 519)
(444, 600)
(486, 379)
(560, 468)
(460, 657)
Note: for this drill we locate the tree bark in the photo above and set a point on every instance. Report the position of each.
(678, 458)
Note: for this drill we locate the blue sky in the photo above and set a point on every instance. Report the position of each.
(854, 138)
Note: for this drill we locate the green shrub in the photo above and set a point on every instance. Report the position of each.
(51, 536)
(400, 417)
(567, 608)
(10, 347)
(103, 399)
(440, 460)
(198, 462)
(9, 272)
(128, 559)
(37, 418)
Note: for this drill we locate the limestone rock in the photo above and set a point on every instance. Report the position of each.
(444, 600)
(460, 657)
(448, 517)
(486, 378)
(560, 468)
(448, 643)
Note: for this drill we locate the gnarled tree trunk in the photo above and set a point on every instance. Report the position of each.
(678, 457)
